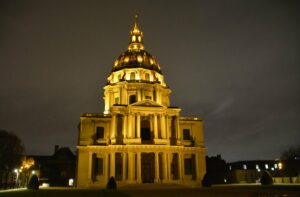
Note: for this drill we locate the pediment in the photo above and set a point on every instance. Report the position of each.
(147, 103)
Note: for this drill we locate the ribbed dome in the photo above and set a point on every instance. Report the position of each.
(136, 56)
(136, 59)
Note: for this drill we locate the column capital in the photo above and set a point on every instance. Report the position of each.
(114, 113)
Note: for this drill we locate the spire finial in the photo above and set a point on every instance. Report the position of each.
(136, 26)
(136, 42)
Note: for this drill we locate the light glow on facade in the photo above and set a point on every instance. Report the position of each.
(139, 137)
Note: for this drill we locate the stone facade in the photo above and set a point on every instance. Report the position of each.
(139, 138)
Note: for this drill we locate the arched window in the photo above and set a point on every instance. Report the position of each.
(132, 76)
(147, 77)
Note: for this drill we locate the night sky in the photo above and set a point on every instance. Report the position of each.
(236, 64)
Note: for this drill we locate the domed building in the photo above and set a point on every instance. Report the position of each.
(139, 138)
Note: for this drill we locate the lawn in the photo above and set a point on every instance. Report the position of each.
(154, 191)
(63, 192)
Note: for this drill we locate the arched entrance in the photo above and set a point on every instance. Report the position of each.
(146, 135)
(148, 168)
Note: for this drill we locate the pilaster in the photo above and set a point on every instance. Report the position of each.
(112, 165)
(113, 129)
(165, 167)
(124, 166)
(156, 179)
(138, 168)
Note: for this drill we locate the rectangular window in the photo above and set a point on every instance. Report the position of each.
(188, 166)
(186, 134)
(132, 99)
(98, 166)
(266, 166)
(256, 166)
(99, 132)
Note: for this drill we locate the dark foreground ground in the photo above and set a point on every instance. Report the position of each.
(164, 191)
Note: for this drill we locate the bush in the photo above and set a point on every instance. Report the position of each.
(111, 184)
(33, 183)
(206, 182)
(266, 178)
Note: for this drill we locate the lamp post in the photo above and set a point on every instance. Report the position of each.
(16, 171)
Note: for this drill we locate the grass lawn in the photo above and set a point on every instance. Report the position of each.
(154, 191)
(63, 192)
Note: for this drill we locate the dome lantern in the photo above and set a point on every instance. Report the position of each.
(136, 37)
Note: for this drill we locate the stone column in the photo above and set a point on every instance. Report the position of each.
(113, 127)
(125, 126)
(138, 168)
(155, 126)
(111, 98)
(165, 167)
(90, 165)
(129, 130)
(180, 166)
(156, 180)
(197, 166)
(138, 126)
(124, 95)
(124, 166)
(201, 165)
(112, 165)
(139, 96)
(158, 100)
(178, 128)
(130, 167)
(167, 127)
(163, 126)
(106, 167)
(133, 126)
(169, 158)
(106, 102)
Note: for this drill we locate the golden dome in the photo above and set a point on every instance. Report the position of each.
(136, 56)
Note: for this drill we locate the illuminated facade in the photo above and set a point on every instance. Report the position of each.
(139, 138)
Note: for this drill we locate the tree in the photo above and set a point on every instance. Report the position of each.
(215, 169)
(27, 164)
(206, 181)
(11, 150)
(291, 161)
(293, 153)
(33, 183)
(266, 178)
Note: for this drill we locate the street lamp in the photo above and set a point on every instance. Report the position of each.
(17, 175)
(280, 166)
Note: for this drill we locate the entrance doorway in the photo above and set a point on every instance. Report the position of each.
(146, 135)
(148, 168)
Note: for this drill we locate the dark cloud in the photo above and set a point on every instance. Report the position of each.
(235, 64)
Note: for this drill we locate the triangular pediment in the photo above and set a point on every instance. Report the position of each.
(147, 103)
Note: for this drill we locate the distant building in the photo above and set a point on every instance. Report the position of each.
(57, 169)
(139, 138)
(250, 171)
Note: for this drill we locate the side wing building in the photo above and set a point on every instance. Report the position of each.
(139, 138)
